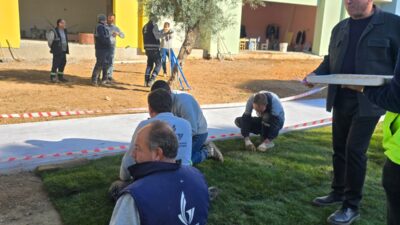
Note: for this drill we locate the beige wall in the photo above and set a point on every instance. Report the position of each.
(290, 18)
(79, 14)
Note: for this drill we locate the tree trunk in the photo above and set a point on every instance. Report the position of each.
(185, 51)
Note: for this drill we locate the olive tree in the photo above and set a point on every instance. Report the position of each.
(195, 17)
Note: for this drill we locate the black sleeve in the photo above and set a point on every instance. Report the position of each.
(324, 67)
(387, 97)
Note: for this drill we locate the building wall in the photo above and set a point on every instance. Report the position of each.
(9, 24)
(392, 6)
(228, 39)
(289, 17)
(81, 16)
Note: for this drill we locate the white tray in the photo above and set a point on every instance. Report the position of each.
(350, 79)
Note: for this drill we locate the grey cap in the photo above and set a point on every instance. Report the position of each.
(101, 17)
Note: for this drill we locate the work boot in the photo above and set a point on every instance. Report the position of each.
(146, 81)
(343, 216)
(53, 78)
(331, 199)
(95, 82)
(105, 82)
(61, 78)
(213, 152)
(111, 80)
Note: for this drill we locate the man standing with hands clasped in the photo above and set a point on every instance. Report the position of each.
(365, 43)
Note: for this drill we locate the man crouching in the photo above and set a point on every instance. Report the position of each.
(163, 191)
(269, 121)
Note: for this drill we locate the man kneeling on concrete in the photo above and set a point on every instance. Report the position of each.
(160, 104)
(269, 121)
(163, 191)
(185, 106)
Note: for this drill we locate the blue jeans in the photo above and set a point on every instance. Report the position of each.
(164, 54)
(111, 63)
(102, 64)
(199, 150)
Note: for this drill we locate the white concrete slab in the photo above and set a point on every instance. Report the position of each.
(350, 79)
(74, 135)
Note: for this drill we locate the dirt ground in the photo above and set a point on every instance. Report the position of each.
(24, 202)
(25, 87)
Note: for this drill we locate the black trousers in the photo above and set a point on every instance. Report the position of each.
(351, 135)
(102, 64)
(391, 183)
(59, 62)
(255, 125)
(153, 64)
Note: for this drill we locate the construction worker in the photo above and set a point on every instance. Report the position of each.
(103, 51)
(269, 121)
(114, 33)
(151, 37)
(388, 97)
(58, 42)
(185, 106)
(163, 191)
(166, 44)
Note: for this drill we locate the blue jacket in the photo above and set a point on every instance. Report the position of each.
(167, 193)
(102, 37)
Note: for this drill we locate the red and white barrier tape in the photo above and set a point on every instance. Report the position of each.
(303, 95)
(122, 148)
(91, 112)
(94, 152)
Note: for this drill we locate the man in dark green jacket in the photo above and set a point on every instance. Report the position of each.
(366, 43)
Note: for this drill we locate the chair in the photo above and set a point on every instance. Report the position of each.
(243, 42)
(264, 46)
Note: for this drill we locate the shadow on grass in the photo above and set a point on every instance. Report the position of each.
(277, 86)
(256, 188)
(43, 77)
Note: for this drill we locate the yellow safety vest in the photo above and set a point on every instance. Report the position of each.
(391, 136)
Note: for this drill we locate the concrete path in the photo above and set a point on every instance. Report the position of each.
(24, 146)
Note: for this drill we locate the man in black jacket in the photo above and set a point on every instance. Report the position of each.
(366, 43)
(58, 42)
(103, 51)
(151, 38)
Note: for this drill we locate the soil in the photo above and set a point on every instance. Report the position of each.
(25, 87)
(23, 201)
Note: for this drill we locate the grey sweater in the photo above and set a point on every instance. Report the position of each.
(112, 28)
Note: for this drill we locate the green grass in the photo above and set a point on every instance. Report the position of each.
(257, 188)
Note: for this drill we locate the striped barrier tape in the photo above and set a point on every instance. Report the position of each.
(130, 110)
(123, 148)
